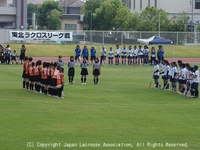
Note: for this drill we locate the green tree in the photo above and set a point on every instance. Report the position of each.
(132, 22)
(149, 19)
(88, 9)
(31, 8)
(121, 20)
(179, 23)
(53, 20)
(111, 15)
(44, 11)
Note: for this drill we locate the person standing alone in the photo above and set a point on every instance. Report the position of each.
(96, 70)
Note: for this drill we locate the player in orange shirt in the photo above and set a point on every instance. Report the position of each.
(25, 75)
(53, 83)
(31, 75)
(44, 76)
(60, 82)
(50, 72)
(37, 75)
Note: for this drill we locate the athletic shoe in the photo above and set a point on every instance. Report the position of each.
(82, 83)
(193, 96)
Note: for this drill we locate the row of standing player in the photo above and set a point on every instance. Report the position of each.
(84, 69)
(185, 75)
(96, 69)
(130, 56)
(46, 77)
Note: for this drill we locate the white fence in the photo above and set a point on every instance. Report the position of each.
(112, 37)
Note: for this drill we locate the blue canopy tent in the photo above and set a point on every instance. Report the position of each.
(155, 40)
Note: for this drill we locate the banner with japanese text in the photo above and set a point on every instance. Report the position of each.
(41, 35)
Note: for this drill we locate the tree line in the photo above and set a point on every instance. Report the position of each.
(109, 15)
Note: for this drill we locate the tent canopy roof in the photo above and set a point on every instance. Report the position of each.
(155, 40)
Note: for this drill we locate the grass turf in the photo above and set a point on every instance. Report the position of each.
(120, 109)
(68, 50)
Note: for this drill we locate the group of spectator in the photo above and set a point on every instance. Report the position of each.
(9, 56)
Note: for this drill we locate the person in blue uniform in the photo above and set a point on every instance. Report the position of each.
(160, 54)
(77, 54)
(85, 52)
(92, 54)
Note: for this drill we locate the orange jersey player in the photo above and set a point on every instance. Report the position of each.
(27, 66)
(37, 75)
(60, 82)
(31, 75)
(44, 76)
(53, 84)
(50, 73)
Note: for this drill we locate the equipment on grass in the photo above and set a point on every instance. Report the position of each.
(188, 92)
(150, 84)
(164, 88)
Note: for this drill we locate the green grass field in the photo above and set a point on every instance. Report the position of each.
(120, 109)
(68, 50)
